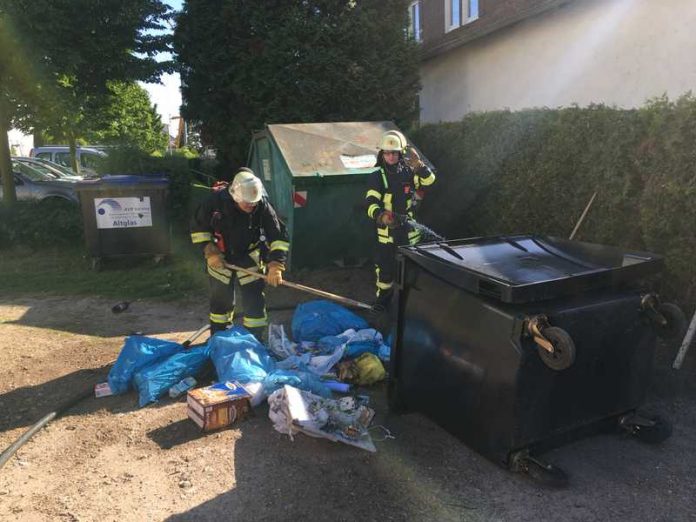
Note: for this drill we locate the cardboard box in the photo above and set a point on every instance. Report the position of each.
(218, 405)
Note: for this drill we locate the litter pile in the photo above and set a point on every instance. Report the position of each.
(332, 349)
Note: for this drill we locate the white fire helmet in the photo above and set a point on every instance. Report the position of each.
(246, 187)
(393, 140)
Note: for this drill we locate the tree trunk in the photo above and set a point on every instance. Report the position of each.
(39, 140)
(72, 141)
(9, 194)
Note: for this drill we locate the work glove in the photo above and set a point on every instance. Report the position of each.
(274, 277)
(387, 218)
(213, 256)
(413, 159)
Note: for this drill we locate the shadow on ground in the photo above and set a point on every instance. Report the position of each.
(425, 474)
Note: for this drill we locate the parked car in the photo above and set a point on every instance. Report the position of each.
(87, 157)
(47, 167)
(34, 184)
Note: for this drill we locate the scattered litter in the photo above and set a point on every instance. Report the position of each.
(340, 387)
(138, 352)
(387, 433)
(219, 405)
(316, 319)
(156, 379)
(182, 386)
(298, 379)
(120, 307)
(363, 371)
(279, 343)
(102, 390)
(239, 356)
(295, 411)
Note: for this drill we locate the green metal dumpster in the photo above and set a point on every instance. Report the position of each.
(125, 216)
(316, 177)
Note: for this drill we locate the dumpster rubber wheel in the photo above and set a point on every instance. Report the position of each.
(563, 355)
(676, 322)
(659, 431)
(546, 474)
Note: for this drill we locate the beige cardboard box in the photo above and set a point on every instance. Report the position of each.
(219, 405)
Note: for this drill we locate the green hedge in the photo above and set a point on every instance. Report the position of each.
(535, 170)
(175, 168)
(51, 223)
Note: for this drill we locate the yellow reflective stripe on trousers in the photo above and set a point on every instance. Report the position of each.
(371, 210)
(280, 245)
(246, 278)
(255, 322)
(221, 318)
(383, 231)
(201, 237)
(223, 275)
(380, 284)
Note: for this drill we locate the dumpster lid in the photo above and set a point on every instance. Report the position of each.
(124, 179)
(525, 268)
(326, 149)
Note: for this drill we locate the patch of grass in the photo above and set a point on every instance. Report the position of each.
(68, 272)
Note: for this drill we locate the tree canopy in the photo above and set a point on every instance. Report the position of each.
(60, 55)
(127, 118)
(245, 63)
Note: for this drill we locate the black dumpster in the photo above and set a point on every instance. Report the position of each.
(513, 343)
(125, 216)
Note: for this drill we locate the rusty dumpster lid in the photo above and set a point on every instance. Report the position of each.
(325, 149)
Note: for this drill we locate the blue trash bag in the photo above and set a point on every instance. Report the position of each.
(386, 348)
(316, 319)
(239, 356)
(357, 348)
(155, 380)
(298, 379)
(137, 353)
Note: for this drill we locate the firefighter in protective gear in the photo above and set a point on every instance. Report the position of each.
(237, 225)
(393, 193)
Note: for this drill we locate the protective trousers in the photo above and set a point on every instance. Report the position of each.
(222, 298)
(385, 267)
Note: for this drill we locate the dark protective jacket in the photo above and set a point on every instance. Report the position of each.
(241, 233)
(393, 188)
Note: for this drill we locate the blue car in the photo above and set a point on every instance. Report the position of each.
(32, 183)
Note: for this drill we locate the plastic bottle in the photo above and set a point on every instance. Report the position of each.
(181, 387)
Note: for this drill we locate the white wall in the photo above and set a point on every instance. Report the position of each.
(617, 52)
(19, 142)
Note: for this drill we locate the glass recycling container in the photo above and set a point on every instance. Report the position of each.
(125, 216)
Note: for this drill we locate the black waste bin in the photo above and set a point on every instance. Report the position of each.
(125, 216)
(513, 343)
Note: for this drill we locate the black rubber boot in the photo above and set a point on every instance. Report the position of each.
(259, 333)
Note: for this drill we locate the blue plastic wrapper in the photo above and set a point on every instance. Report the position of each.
(316, 319)
(137, 353)
(238, 356)
(303, 380)
(155, 380)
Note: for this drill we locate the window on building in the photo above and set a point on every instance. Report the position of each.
(414, 29)
(460, 12)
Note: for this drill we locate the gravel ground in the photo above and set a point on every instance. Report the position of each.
(109, 460)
